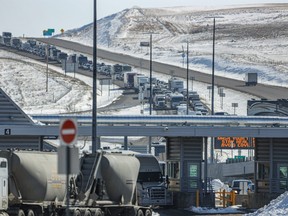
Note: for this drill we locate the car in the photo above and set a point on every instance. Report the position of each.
(239, 185)
(221, 113)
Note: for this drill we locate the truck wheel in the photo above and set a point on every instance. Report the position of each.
(140, 212)
(20, 213)
(76, 212)
(98, 212)
(148, 212)
(30, 213)
(88, 213)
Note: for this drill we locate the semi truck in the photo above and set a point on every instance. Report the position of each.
(105, 186)
(175, 85)
(152, 186)
(174, 100)
(139, 81)
(251, 79)
(159, 101)
(129, 79)
(6, 38)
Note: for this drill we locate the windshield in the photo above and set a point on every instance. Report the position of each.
(150, 177)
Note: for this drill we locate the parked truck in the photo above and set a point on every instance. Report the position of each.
(105, 186)
(251, 79)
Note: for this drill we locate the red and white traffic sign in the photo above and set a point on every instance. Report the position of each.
(68, 131)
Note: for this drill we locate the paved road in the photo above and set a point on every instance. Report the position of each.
(262, 91)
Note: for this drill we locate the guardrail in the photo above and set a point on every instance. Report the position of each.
(172, 120)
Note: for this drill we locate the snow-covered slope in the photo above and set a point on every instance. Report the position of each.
(249, 38)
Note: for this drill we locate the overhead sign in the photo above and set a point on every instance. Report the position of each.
(234, 143)
(145, 44)
(68, 131)
(48, 32)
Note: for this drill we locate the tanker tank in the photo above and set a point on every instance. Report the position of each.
(35, 175)
(120, 174)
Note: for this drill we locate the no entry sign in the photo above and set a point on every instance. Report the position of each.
(68, 131)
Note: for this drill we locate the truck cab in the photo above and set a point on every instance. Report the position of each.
(151, 184)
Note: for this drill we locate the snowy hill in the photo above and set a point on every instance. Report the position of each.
(249, 38)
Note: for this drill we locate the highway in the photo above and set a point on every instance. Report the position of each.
(263, 91)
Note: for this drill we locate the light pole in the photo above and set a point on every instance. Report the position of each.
(213, 84)
(213, 65)
(150, 100)
(187, 79)
(192, 78)
(95, 144)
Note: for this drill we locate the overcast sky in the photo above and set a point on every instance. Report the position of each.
(31, 17)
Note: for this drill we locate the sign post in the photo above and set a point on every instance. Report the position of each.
(68, 159)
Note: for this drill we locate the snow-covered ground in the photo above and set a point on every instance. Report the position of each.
(247, 39)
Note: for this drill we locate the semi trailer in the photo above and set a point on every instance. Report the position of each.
(105, 186)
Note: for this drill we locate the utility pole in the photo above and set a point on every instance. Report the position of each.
(187, 79)
(95, 144)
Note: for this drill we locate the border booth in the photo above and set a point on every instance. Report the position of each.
(184, 156)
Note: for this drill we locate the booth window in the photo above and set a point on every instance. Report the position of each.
(173, 169)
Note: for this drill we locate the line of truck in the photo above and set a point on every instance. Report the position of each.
(108, 184)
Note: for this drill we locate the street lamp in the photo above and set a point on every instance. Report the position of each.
(146, 44)
(213, 63)
(213, 85)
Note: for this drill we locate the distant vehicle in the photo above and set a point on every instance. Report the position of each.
(129, 79)
(159, 101)
(174, 99)
(221, 113)
(176, 85)
(139, 81)
(240, 186)
(251, 79)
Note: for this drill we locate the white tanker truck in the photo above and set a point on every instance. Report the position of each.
(106, 185)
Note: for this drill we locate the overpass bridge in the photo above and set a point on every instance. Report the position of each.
(164, 125)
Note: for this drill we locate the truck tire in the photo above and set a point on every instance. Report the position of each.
(87, 213)
(98, 212)
(20, 213)
(76, 212)
(30, 213)
(140, 212)
(148, 212)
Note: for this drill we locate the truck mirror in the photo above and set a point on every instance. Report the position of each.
(167, 181)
